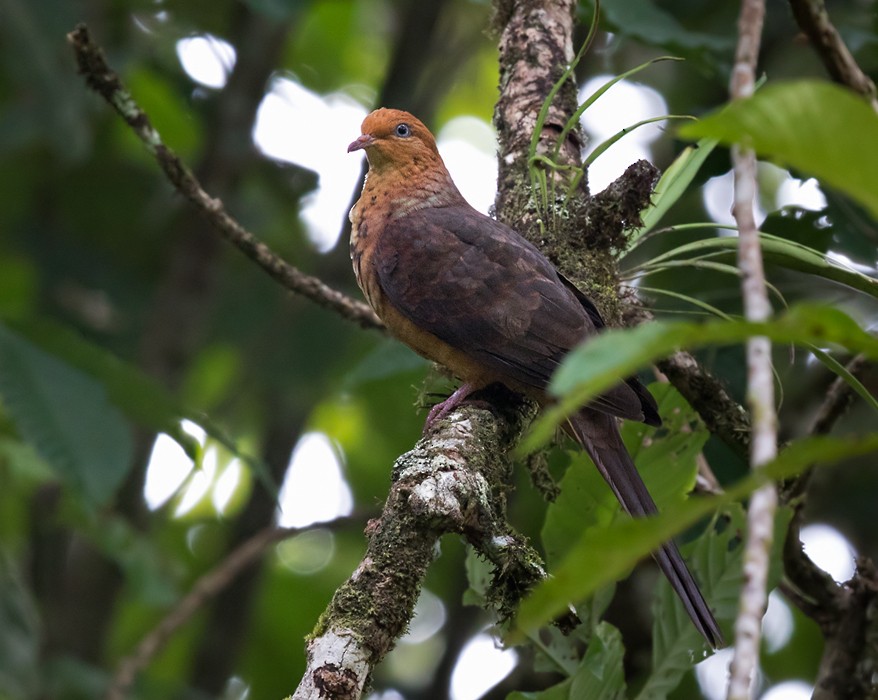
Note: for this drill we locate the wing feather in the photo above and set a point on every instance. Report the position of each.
(479, 286)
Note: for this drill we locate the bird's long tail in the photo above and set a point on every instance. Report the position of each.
(599, 436)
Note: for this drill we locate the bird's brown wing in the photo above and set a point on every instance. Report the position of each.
(482, 288)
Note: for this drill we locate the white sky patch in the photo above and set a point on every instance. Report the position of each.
(206, 59)
(308, 552)
(480, 666)
(712, 675)
(718, 195)
(844, 260)
(314, 489)
(789, 690)
(777, 625)
(168, 466)
(623, 105)
(830, 550)
(469, 148)
(297, 125)
(199, 484)
(806, 194)
(386, 695)
(226, 484)
(428, 619)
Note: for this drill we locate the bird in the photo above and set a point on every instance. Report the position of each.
(470, 293)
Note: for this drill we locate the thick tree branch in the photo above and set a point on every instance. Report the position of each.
(760, 378)
(453, 481)
(844, 612)
(100, 78)
(813, 19)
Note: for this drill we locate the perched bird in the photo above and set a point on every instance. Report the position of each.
(470, 293)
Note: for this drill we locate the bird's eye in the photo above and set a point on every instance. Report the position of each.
(403, 130)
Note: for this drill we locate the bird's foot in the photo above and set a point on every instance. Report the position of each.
(443, 408)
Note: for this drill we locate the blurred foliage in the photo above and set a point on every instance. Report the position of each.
(121, 315)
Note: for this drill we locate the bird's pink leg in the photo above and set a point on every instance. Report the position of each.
(442, 409)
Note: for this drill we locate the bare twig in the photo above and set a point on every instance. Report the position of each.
(208, 586)
(810, 588)
(723, 416)
(838, 398)
(813, 20)
(103, 80)
(760, 379)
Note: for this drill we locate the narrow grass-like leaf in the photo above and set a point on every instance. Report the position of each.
(814, 126)
(550, 98)
(779, 251)
(606, 143)
(602, 555)
(703, 305)
(671, 186)
(591, 99)
(601, 362)
(839, 369)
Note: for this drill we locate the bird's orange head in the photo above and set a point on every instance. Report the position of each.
(396, 139)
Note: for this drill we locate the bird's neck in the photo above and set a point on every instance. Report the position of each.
(413, 186)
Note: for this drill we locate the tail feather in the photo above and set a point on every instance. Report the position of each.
(599, 436)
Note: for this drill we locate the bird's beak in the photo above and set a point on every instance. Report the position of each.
(362, 142)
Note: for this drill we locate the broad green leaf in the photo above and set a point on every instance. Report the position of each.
(557, 652)
(67, 416)
(599, 676)
(602, 555)
(816, 127)
(478, 575)
(664, 457)
(20, 634)
(655, 26)
(671, 186)
(598, 364)
(556, 692)
(715, 559)
(141, 397)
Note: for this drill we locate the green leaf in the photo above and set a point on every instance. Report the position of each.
(604, 145)
(20, 638)
(602, 361)
(479, 573)
(664, 457)
(559, 652)
(599, 676)
(671, 186)
(67, 416)
(591, 99)
(602, 555)
(715, 559)
(141, 397)
(779, 251)
(816, 127)
(645, 20)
